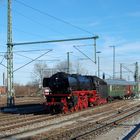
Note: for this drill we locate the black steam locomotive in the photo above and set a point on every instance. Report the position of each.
(71, 92)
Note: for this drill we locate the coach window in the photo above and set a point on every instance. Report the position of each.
(110, 87)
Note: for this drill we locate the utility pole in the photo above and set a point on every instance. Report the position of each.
(10, 85)
(3, 79)
(96, 37)
(120, 70)
(137, 77)
(136, 72)
(113, 61)
(98, 64)
(68, 62)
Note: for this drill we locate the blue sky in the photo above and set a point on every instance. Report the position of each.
(116, 22)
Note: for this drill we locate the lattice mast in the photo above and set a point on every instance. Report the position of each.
(10, 86)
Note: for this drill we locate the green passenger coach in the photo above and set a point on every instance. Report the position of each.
(120, 88)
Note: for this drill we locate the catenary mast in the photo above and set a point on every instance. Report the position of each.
(10, 85)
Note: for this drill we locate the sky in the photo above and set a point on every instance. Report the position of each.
(116, 22)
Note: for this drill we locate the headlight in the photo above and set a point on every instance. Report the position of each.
(68, 97)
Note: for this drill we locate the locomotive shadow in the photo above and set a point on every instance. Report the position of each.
(35, 109)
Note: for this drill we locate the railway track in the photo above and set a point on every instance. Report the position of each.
(93, 127)
(106, 125)
(41, 126)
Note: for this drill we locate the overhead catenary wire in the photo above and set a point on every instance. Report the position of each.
(37, 22)
(2, 60)
(27, 32)
(34, 34)
(23, 51)
(33, 21)
(24, 56)
(41, 60)
(84, 54)
(33, 60)
(54, 17)
(38, 50)
(3, 65)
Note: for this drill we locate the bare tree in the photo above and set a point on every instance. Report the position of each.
(63, 67)
(40, 71)
(75, 67)
(79, 68)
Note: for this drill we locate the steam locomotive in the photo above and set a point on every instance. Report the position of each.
(72, 92)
